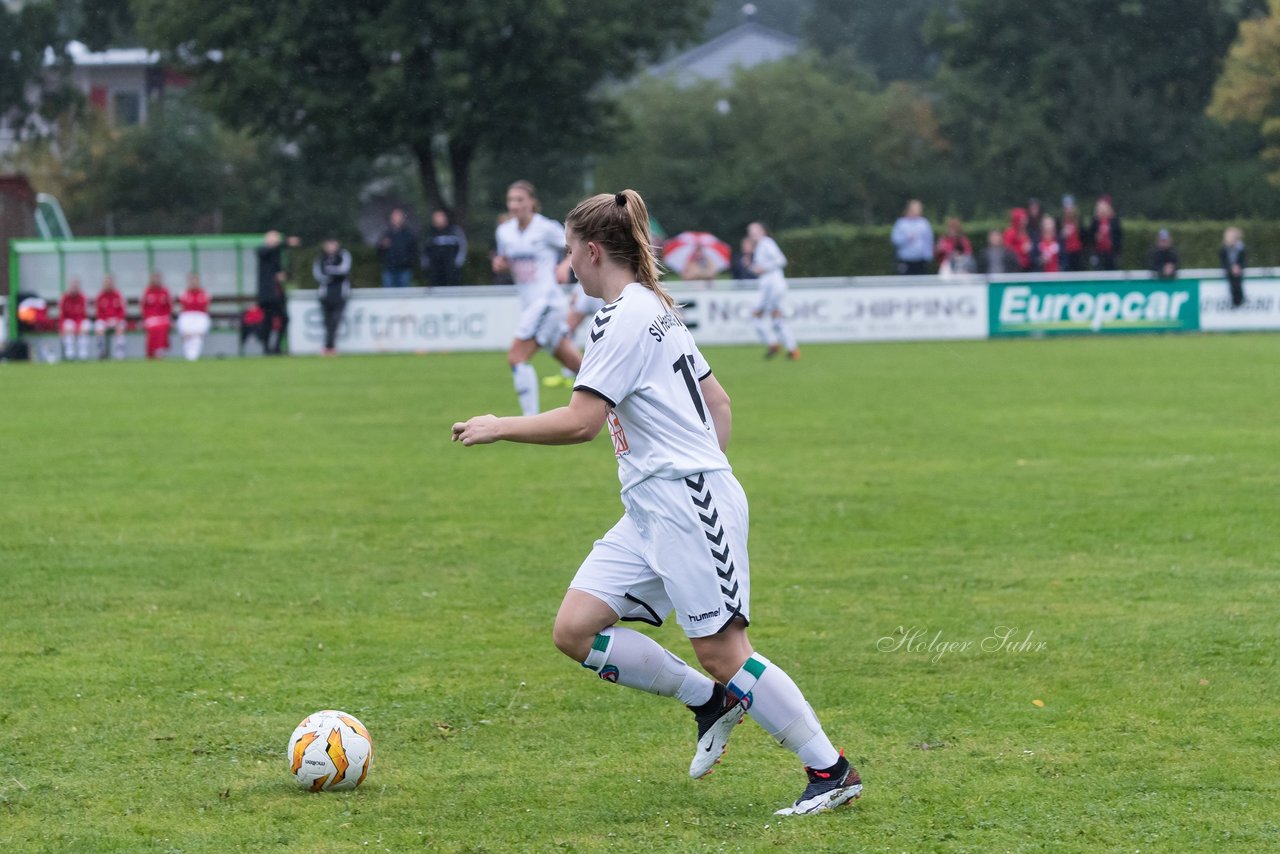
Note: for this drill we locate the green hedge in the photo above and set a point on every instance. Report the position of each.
(839, 249)
(851, 250)
(366, 272)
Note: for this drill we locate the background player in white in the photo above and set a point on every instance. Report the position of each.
(682, 542)
(581, 306)
(767, 262)
(529, 245)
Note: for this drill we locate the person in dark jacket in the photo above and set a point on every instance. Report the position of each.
(740, 263)
(446, 250)
(1233, 263)
(997, 258)
(332, 272)
(1164, 260)
(271, 294)
(398, 252)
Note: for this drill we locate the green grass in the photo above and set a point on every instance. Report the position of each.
(194, 557)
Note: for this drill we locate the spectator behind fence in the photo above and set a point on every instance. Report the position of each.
(109, 309)
(271, 293)
(193, 319)
(1106, 236)
(1016, 239)
(446, 250)
(157, 316)
(1233, 263)
(1035, 214)
(397, 252)
(501, 272)
(997, 258)
(1071, 238)
(73, 322)
(912, 238)
(1163, 261)
(332, 272)
(954, 252)
(740, 263)
(1048, 251)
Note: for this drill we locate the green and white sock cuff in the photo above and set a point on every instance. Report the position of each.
(745, 679)
(599, 650)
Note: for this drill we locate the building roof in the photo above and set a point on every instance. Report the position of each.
(117, 57)
(745, 46)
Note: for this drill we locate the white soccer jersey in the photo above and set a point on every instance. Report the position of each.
(768, 255)
(643, 362)
(533, 254)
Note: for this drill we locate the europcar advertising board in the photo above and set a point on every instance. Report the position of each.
(1074, 308)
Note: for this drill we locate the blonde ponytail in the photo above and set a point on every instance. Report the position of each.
(619, 223)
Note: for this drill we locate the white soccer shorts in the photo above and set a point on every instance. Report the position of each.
(682, 546)
(773, 287)
(193, 323)
(543, 322)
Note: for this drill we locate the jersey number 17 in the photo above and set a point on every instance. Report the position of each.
(684, 367)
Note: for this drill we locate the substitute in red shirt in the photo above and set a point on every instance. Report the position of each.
(193, 321)
(73, 321)
(110, 307)
(157, 315)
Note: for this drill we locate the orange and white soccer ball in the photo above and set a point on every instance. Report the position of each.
(330, 750)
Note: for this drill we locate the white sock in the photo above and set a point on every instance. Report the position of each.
(765, 330)
(568, 374)
(68, 347)
(82, 343)
(526, 381)
(788, 340)
(118, 344)
(637, 661)
(191, 347)
(774, 702)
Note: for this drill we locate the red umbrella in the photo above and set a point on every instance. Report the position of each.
(696, 254)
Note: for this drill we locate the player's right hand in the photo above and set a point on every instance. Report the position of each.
(480, 430)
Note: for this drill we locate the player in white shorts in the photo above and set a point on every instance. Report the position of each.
(767, 262)
(581, 306)
(682, 542)
(529, 245)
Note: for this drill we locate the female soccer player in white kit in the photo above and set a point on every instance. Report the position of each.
(767, 262)
(682, 542)
(529, 245)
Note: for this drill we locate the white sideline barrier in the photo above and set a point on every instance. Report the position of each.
(1261, 309)
(483, 318)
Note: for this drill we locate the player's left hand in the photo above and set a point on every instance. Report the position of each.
(480, 430)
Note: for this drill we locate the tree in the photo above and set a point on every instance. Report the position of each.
(886, 38)
(791, 143)
(24, 34)
(1249, 88)
(443, 81)
(1080, 95)
(182, 173)
(30, 33)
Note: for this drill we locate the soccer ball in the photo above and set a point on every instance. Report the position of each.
(330, 750)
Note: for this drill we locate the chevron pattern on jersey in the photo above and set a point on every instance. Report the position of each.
(602, 320)
(700, 494)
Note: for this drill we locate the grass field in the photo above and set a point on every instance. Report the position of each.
(195, 556)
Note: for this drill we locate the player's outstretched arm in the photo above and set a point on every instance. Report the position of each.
(580, 421)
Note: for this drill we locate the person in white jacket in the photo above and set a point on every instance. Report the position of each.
(767, 262)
